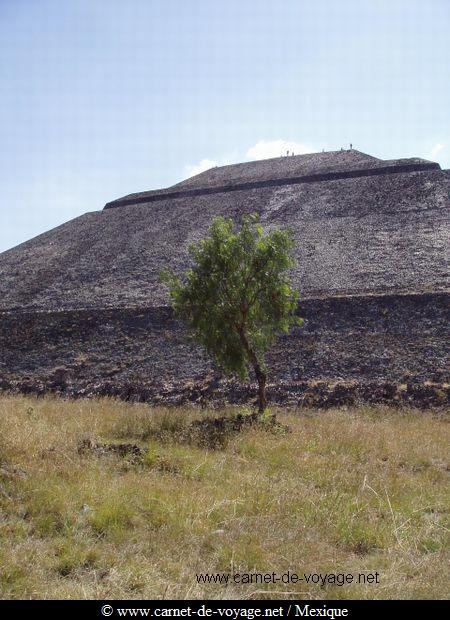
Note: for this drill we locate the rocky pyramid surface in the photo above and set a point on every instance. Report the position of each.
(360, 234)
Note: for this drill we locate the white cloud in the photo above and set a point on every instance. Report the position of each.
(204, 164)
(265, 149)
(437, 148)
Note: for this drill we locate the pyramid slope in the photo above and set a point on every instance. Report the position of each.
(354, 236)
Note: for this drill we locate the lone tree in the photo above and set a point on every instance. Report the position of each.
(237, 296)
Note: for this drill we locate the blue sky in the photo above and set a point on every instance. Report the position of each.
(100, 98)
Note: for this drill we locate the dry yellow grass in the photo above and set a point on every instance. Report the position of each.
(346, 491)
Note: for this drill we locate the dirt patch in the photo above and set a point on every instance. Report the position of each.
(125, 450)
(215, 432)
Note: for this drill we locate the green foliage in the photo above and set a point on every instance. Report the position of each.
(237, 296)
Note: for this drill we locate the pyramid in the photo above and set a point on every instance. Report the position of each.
(371, 241)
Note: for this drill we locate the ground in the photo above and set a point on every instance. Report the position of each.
(356, 491)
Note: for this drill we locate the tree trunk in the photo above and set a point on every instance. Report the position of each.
(262, 396)
(261, 376)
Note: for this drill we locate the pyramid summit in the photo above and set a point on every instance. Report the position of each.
(371, 243)
(283, 170)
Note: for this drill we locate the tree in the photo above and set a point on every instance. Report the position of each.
(237, 295)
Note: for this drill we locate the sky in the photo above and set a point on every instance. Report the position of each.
(102, 98)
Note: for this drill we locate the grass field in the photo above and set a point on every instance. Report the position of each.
(346, 491)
